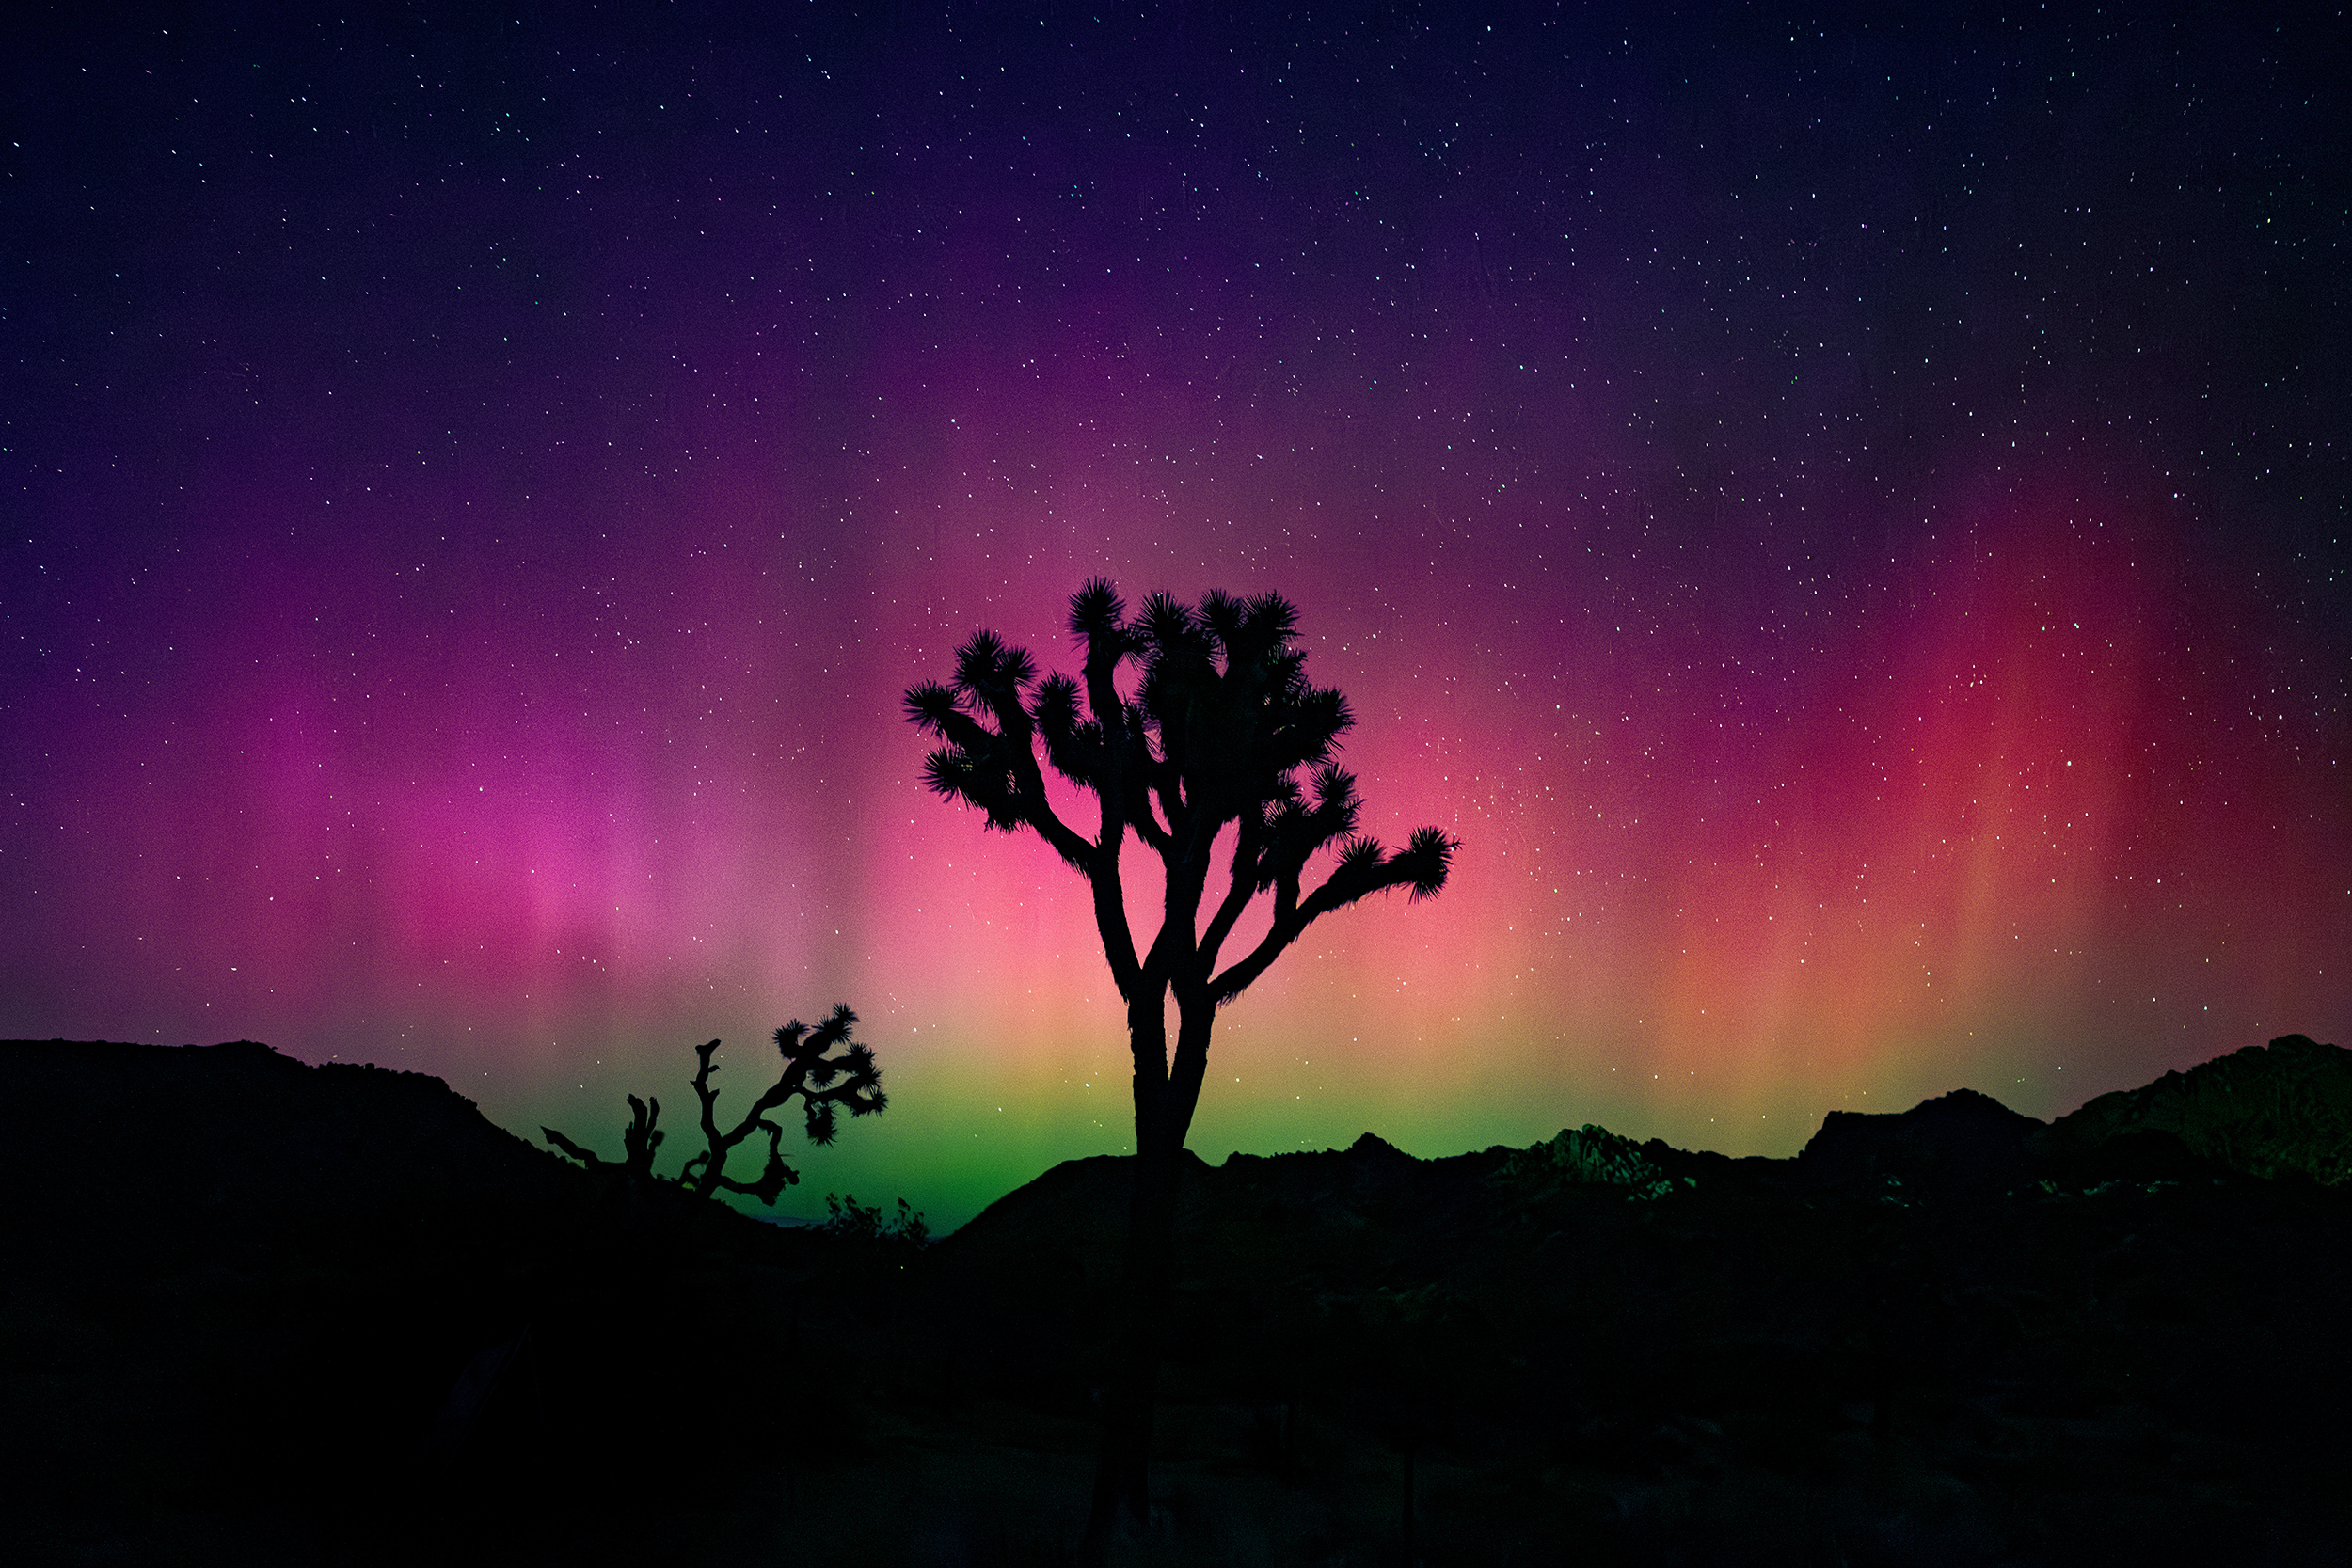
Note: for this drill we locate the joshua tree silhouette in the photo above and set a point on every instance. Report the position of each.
(1221, 727)
(825, 1084)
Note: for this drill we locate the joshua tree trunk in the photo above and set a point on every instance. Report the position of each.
(1122, 1497)
(1165, 1101)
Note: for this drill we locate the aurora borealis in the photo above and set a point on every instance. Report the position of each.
(1844, 520)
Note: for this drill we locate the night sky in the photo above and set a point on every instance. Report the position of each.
(1844, 518)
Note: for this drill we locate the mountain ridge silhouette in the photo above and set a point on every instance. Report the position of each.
(257, 1310)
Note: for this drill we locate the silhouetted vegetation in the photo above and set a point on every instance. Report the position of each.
(1218, 736)
(848, 1217)
(825, 1084)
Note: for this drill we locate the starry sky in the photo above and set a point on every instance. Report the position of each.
(1843, 517)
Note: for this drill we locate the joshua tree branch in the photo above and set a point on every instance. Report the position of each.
(1422, 866)
(1247, 850)
(1110, 918)
(825, 1084)
(585, 1156)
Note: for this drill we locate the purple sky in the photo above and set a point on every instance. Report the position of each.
(1843, 519)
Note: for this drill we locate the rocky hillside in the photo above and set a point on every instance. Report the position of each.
(196, 1146)
(240, 1298)
(2267, 1111)
(1951, 1335)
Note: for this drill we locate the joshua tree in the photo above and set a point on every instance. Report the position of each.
(823, 1082)
(1216, 735)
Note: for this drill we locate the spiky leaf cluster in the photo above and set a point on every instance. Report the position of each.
(1222, 728)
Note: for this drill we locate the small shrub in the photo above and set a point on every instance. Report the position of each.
(857, 1221)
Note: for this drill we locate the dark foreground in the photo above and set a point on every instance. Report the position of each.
(258, 1313)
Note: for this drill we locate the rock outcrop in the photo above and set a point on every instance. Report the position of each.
(1959, 1141)
(2284, 1109)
